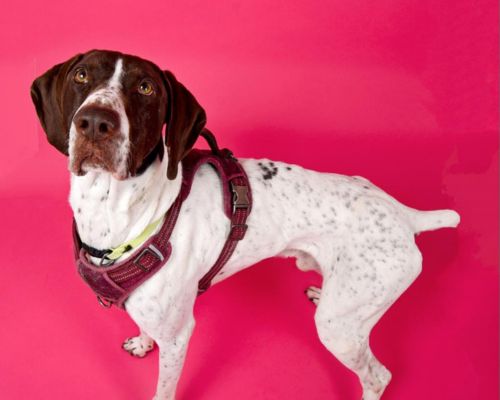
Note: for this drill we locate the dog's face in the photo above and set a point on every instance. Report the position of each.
(106, 110)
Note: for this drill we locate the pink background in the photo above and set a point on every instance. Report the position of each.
(403, 92)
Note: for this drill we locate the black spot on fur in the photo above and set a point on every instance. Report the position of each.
(268, 172)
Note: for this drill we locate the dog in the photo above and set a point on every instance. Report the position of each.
(106, 111)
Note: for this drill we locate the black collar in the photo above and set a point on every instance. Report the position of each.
(95, 252)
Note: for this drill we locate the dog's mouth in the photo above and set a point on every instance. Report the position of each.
(88, 157)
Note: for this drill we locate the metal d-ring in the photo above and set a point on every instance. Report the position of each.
(104, 303)
(106, 262)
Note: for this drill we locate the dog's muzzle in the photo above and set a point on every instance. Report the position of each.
(98, 141)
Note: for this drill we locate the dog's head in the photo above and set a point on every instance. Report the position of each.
(106, 110)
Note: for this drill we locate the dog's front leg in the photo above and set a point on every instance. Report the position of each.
(167, 317)
(173, 348)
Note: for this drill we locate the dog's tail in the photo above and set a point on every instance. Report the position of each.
(431, 220)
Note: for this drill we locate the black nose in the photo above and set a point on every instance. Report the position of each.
(96, 121)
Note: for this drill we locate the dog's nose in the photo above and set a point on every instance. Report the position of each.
(95, 121)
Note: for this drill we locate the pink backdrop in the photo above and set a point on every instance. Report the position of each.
(403, 92)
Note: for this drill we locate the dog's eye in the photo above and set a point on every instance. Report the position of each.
(145, 88)
(81, 75)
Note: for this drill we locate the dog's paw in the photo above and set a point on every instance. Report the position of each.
(313, 293)
(138, 346)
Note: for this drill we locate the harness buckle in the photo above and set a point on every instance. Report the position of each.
(151, 249)
(240, 197)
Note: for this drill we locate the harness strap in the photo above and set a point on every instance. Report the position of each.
(241, 210)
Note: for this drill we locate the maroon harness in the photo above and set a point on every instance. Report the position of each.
(114, 282)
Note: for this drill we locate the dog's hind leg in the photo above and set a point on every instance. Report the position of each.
(347, 338)
(354, 296)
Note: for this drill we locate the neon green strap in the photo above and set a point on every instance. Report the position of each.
(117, 252)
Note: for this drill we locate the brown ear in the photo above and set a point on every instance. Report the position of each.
(46, 93)
(185, 120)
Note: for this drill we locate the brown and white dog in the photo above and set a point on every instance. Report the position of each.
(106, 111)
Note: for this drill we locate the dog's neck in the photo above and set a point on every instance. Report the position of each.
(110, 212)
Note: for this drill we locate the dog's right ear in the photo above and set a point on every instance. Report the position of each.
(46, 93)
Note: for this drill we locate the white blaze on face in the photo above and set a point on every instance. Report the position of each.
(115, 80)
(109, 96)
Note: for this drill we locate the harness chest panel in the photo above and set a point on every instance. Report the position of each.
(113, 283)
